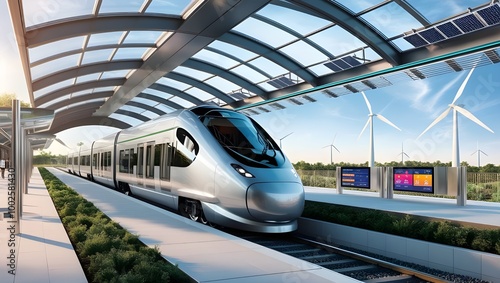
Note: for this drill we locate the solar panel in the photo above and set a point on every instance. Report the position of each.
(449, 29)
(286, 81)
(333, 67)
(491, 14)
(431, 35)
(275, 84)
(468, 23)
(343, 65)
(415, 40)
(351, 61)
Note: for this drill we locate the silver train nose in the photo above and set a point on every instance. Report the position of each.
(283, 201)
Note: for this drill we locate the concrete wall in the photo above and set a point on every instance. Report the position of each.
(476, 264)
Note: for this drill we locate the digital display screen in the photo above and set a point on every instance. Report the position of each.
(419, 180)
(355, 177)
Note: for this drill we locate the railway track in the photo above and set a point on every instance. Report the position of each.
(354, 265)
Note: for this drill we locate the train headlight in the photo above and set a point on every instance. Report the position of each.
(243, 172)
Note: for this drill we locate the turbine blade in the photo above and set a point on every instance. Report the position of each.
(406, 155)
(439, 118)
(366, 125)
(383, 119)
(472, 117)
(336, 148)
(367, 103)
(462, 87)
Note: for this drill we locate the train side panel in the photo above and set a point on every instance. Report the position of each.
(103, 160)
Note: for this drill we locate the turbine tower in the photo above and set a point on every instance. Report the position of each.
(403, 153)
(370, 121)
(331, 149)
(455, 154)
(478, 151)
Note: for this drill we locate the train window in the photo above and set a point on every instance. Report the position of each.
(186, 150)
(124, 161)
(164, 153)
(149, 161)
(94, 160)
(133, 160)
(140, 160)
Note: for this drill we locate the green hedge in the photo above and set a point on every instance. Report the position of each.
(443, 232)
(107, 252)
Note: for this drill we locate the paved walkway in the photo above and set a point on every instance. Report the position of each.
(42, 251)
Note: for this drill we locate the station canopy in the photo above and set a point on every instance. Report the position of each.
(120, 63)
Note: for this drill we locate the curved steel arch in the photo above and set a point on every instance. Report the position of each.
(176, 92)
(132, 114)
(61, 125)
(146, 107)
(163, 101)
(85, 70)
(242, 62)
(333, 12)
(57, 30)
(76, 88)
(81, 98)
(201, 85)
(243, 41)
(216, 70)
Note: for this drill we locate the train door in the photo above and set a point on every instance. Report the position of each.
(163, 155)
(140, 164)
(152, 166)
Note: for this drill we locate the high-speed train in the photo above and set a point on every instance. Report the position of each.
(212, 164)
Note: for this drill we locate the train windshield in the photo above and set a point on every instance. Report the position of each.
(243, 138)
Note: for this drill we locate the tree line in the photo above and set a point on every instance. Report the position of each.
(302, 165)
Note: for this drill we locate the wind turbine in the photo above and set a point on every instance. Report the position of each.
(403, 153)
(331, 149)
(455, 154)
(478, 151)
(370, 121)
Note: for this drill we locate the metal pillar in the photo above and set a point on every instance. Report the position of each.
(15, 164)
(462, 186)
(338, 180)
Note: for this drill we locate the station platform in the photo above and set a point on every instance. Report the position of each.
(206, 254)
(474, 212)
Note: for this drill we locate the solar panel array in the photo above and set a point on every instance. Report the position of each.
(473, 21)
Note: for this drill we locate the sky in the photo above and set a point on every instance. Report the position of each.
(315, 126)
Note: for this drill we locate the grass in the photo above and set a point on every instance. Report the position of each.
(107, 252)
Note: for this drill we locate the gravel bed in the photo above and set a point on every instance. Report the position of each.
(456, 278)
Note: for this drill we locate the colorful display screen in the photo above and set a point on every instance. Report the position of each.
(420, 180)
(355, 177)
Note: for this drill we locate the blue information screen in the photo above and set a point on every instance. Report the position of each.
(356, 177)
(418, 180)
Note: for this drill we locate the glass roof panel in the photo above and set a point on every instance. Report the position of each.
(144, 101)
(222, 84)
(131, 108)
(41, 92)
(129, 53)
(54, 101)
(104, 88)
(168, 7)
(391, 20)
(117, 6)
(97, 39)
(358, 6)
(234, 50)
(142, 36)
(193, 73)
(200, 94)
(96, 56)
(215, 59)
(87, 78)
(173, 83)
(149, 114)
(264, 32)
(304, 53)
(248, 73)
(439, 10)
(337, 40)
(300, 22)
(320, 70)
(164, 108)
(158, 93)
(115, 74)
(49, 49)
(126, 119)
(38, 12)
(182, 102)
(268, 66)
(54, 66)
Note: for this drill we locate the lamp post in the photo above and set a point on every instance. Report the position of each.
(285, 137)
